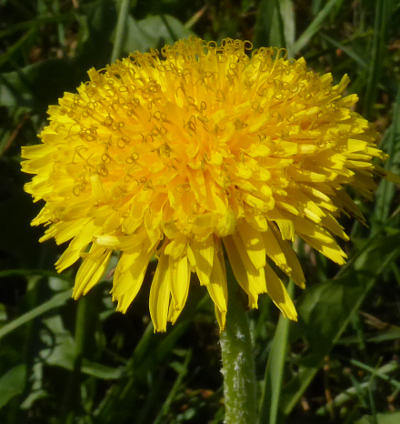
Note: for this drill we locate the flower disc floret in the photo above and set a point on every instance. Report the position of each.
(193, 151)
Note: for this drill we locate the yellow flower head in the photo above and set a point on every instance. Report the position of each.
(194, 151)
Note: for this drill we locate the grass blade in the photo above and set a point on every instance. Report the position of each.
(314, 27)
(289, 24)
(377, 373)
(354, 284)
(347, 50)
(382, 14)
(351, 392)
(265, 23)
(56, 301)
(391, 144)
(120, 30)
(274, 371)
(4, 58)
(182, 371)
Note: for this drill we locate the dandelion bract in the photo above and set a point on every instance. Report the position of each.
(193, 153)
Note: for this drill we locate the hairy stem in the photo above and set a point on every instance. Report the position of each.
(240, 385)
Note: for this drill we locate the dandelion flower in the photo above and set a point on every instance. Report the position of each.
(193, 153)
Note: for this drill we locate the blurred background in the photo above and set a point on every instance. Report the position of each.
(80, 362)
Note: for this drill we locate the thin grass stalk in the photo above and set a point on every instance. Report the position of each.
(274, 372)
(382, 13)
(73, 388)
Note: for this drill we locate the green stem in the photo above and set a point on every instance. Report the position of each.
(238, 369)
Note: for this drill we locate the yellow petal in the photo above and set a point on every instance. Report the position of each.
(250, 279)
(180, 280)
(91, 270)
(334, 227)
(128, 277)
(253, 243)
(160, 294)
(330, 249)
(75, 248)
(292, 266)
(217, 288)
(286, 228)
(201, 256)
(221, 318)
(305, 227)
(279, 295)
(65, 230)
(176, 248)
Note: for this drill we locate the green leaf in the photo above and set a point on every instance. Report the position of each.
(315, 25)
(55, 302)
(325, 309)
(101, 371)
(181, 370)
(387, 418)
(120, 29)
(393, 333)
(7, 56)
(351, 52)
(54, 76)
(97, 26)
(61, 351)
(12, 383)
(358, 389)
(36, 86)
(269, 26)
(152, 31)
(38, 20)
(376, 373)
(60, 347)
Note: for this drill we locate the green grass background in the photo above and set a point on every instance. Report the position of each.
(80, 362)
